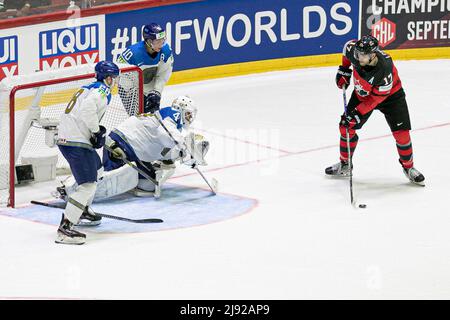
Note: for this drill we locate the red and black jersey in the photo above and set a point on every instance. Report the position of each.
(373, 84)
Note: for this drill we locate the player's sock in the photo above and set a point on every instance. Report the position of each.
(67, 235)
(343, 142)
(404, 148)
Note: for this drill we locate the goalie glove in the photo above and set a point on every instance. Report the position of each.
(198, 147)
(194, 151)
(187, 159)
(117, 153)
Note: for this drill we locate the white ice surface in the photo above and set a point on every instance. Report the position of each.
(304, 239)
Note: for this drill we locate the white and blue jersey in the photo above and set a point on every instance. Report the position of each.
(83, 114)
(156, 68)
(175, 115)
(143, 138)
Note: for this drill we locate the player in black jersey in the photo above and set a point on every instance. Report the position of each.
(377, 86)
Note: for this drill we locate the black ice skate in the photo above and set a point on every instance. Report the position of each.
(60, 193)
(67, 235)
(89, 218)
(414, 176)
(340, 169)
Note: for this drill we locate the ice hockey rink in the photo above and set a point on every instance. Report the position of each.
(294, 234)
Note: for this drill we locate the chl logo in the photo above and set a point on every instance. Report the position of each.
(68, 47)
(8, 57)
(385, 31)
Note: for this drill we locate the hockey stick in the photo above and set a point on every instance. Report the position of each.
(150, 220)
(214, 184)
(124, 159)
(344, 95)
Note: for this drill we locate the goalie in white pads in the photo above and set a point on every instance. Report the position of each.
(142, 139)
(79, 134)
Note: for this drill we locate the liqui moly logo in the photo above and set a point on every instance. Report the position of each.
(8, 57)
(69, 47)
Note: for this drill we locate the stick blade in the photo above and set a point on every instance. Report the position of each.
(214, 185)
(152, 220)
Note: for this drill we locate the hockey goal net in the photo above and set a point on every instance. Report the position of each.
(31, 104)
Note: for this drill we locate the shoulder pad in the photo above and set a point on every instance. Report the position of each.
(104, 91)
(166, 52)
(137, 47)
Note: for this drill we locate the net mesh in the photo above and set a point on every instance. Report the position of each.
(49, 102)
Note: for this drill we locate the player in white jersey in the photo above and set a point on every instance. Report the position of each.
(79, 134)
(154, 56)
(143, 140)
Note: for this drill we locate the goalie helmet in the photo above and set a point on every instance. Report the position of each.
(185, 105)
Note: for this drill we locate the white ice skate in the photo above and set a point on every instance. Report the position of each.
(414, 176)
(340, 169)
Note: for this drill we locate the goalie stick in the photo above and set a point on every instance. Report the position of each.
(108, 216)
(124, 159)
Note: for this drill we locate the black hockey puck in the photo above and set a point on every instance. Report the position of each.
(362, 206)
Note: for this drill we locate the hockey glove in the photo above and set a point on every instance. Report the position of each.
(117, 153)
(187, 159)
(343, 77)
(351, 120)
(98, 138)
(152, 102)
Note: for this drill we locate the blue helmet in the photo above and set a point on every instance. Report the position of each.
(153, 31)
(104, 69)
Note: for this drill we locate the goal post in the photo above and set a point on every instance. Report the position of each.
(30, 109)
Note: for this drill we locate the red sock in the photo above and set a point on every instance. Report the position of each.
(404, 148)
(343, 142)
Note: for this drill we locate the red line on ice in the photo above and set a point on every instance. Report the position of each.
(290, 153)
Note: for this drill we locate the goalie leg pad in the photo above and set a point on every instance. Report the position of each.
(148, 188)
(116, 182)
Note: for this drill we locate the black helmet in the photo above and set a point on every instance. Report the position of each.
(367, 44)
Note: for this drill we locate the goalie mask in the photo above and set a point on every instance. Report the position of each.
(198, 147)
(185, 105)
